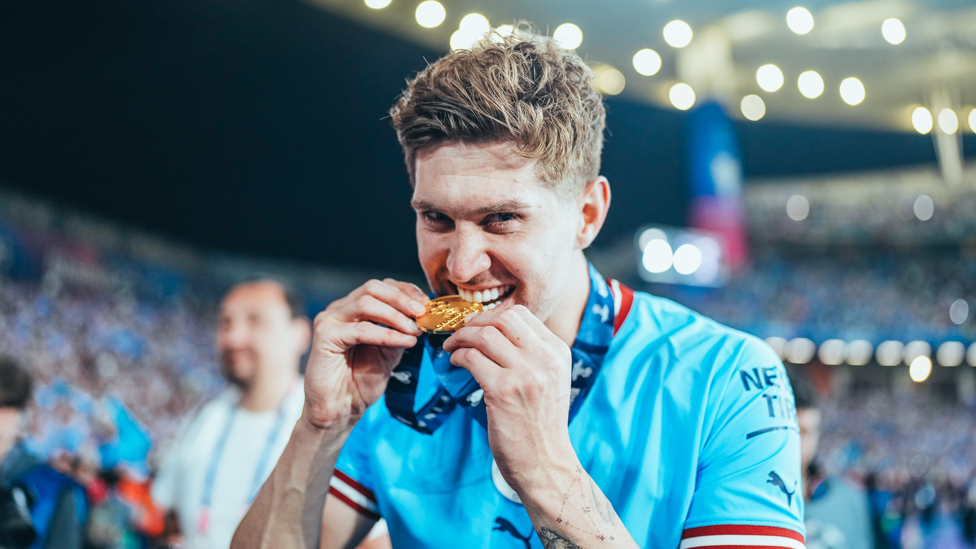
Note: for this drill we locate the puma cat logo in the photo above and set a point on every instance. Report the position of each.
(776, 481)
(507, 527)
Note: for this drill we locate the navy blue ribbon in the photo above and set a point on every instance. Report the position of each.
(456, 386)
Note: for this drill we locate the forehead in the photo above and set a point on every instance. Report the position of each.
(255, 296)
(463, 175)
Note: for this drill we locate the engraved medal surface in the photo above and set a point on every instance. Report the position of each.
(445, 315)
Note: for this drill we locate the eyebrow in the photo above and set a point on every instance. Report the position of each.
(500, 207)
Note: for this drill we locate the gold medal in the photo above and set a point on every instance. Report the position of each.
(445, 315)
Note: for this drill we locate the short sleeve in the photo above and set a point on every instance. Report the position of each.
(352, 481)
(748, 489)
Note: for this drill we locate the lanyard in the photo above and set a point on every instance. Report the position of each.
(203, 524)
(607, 307)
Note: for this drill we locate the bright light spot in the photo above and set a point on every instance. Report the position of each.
(959, 311)
(430, 14)
(972, 120)
(568, 36)
(647, 62)
(650, 234)
(811, 84)
(657, 256)
(800, 350)
(462, 40)
(924, 207)
(893, 31)
(475, 23)
(831, 352)
(951, 353)
(769, 77)
(753, 107)
(920, 369)
(677, 33)
(859, 352)
(948, 121)
(779, 345)
(971, 355)
(798, 207)
(852, 91)
(610, 81)
(378, 4)
(890, 353)
(682, 96)
(687, 259)
(800, 20)
(922, 120)
(506, 30)
(916, 349)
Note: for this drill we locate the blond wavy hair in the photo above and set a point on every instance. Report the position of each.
(523, 89)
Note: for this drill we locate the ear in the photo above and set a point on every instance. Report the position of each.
(302, 328)
(592, 206)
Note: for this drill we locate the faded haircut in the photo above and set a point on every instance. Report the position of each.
(523, 89)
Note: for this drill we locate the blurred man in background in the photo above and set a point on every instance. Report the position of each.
(837, 514)
(39, 507)
(215, 468)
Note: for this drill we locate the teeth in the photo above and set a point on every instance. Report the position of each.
(484, 296)
(478, 298)
(490, 306)
(494, 293)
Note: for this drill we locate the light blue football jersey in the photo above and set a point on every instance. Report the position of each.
(689, 429)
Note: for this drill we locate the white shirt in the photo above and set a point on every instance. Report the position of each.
(182, 477)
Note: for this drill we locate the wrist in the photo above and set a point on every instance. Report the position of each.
(327, 423)
(548, 481)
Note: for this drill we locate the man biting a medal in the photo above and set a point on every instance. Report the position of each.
(569, 412)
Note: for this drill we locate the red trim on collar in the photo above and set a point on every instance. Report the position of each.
(623, 299)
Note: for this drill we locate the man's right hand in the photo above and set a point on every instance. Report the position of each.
(356, 343)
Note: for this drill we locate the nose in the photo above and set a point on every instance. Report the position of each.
(468, 255)
(233, 334)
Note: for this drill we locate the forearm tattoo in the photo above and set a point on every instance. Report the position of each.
(553, 539)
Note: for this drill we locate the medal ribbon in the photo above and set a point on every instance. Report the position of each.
(606, 308)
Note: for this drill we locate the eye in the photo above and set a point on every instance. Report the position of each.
(437, 219)
(500, 219)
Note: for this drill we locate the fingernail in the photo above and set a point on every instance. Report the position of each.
(417, 307)
(469, 317)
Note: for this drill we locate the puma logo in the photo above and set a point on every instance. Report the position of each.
(776, 481)
(507, 527)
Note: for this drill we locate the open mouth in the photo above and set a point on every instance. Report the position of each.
(489, 298)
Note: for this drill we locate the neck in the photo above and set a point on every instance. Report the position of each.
(566, 318)
(267, 392)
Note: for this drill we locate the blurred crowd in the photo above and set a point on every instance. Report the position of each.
(848, 294)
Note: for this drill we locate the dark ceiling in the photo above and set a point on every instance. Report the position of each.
(259, 127)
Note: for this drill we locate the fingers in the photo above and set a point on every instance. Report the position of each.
(374, 310)
(409, 289)
(516, 323)
(484, 370)
(489, 340)
(360, 304)
(349, 334)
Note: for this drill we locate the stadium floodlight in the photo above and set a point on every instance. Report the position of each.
(924, 207)
(568, 36)
(948, 121)
(972, 120)
(647, 62)
(858, 352)
(769, 77)
(971, 355)
(475, 23)
(680, 255)
(893, 31)
(687, 259)
(779, 345)
(831, 352)
(951, 354)
(811, 84)
(610, 81)
(658, 256)
(682, 96)
(922, 120)
(799, 20)
(800, 350)
(852, 91)
(678, 34)
(889, 353)
(915, 349)
(798, 207)
(920, 369)
(378, 4)
(753, 107)
(959, 311)
(430, 14)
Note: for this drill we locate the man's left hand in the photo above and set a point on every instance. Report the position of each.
(524, 370)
